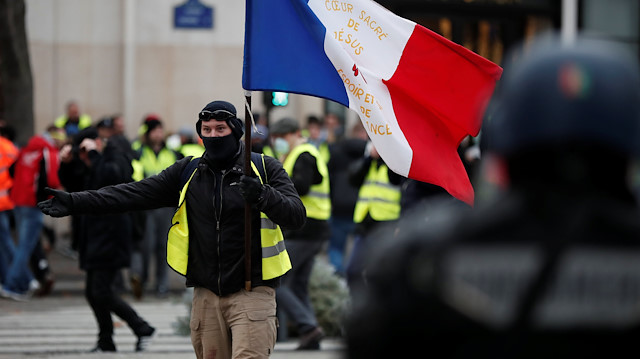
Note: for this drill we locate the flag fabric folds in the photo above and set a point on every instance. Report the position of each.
(417, 93)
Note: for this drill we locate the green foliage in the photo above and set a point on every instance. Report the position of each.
(181, 326)
(329, 297)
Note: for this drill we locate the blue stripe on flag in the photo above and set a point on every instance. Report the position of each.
(284, 51)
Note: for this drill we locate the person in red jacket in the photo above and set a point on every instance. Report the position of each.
(35, 169)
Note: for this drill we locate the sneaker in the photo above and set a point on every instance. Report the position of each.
(9, 294)
(34, 286)
(311, 340)
(145, 340)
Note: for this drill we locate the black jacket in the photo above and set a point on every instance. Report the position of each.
(344, 195)
(537, 273)
(216, 243)
(104, 241)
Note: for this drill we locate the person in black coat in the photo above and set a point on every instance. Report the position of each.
(104, 242)
(343, 194)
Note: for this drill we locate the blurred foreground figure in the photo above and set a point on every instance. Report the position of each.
(552, 268)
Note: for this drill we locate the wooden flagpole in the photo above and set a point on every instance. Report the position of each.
(247, 205)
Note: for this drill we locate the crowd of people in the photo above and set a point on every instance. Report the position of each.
(344, 186)
(180, 204)
(77, 154)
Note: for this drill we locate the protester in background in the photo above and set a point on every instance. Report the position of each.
(73, 121)
(38, 261)
(118, 127)
(35, 169)
(335, 127)
(310, 176)
(211, 192)
(378, 203)
(317, 136)
(344, 195)
(8, 155)
(545, 269)
(154, 156)
(105, 241)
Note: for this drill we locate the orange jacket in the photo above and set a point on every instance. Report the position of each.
(8, 155)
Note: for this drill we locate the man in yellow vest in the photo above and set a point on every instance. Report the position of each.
(73, 121)
(310, 176)
(154, 156)
(378, 202)
(206, 241)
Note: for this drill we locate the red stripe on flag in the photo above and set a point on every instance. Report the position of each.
(439, 92)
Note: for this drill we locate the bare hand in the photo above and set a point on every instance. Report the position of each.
(65, 153)
(88, 145)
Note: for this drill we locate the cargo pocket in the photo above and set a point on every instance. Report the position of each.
(194, 324)
(263, 330)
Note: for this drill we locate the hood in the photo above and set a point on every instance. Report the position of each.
(37, 143)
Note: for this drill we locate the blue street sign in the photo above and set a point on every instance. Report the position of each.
(193, 15)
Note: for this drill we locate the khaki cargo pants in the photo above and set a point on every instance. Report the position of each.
(240, 325)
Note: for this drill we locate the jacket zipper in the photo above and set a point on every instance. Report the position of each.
(218, 216)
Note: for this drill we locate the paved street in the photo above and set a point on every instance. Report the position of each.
(62, 325)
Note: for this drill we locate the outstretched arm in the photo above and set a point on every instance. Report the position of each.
(153, 192)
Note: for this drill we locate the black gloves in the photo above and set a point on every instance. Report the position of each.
(250, 188)
(59, 206)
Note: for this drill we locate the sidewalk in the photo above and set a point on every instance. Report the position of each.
(62, 325)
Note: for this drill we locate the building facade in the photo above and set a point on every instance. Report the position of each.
(129, 57)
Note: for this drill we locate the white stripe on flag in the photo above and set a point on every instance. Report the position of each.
(362, 33)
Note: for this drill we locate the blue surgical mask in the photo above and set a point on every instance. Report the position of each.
(281, 146)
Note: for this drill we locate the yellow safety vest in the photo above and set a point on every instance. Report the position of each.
(138, 170)
(377, 196)
(324, 152)
(268, 151)
(317, 201)
(191, 149)
(83, 122)
(275, 258)
(153, 164)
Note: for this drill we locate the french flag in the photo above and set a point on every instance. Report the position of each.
(417, 93)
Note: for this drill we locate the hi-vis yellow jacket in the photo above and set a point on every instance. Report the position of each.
(275, 259)
(317, 201)
(152, 163)
(377, 196)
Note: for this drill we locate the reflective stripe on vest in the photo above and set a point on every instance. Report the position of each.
(377, 196)
(275, 258)
(317, 201)
(153, 164)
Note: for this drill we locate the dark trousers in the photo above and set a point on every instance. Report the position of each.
(293, 294)
(104, 301)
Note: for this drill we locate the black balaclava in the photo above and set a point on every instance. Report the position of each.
(221, 152)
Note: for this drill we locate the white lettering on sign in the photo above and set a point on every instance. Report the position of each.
(593, 286)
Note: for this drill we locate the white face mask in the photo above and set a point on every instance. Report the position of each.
(281, 146)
